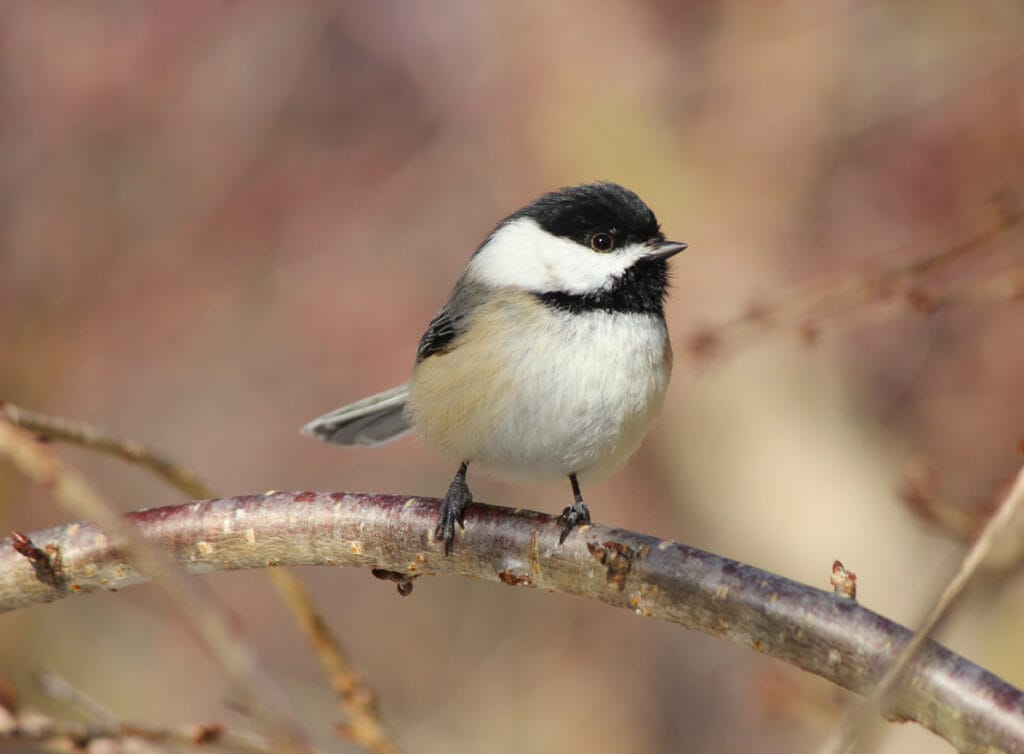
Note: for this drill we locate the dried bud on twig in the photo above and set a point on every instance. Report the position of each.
(844, 582)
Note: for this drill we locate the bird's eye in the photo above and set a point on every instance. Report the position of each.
(602, 242)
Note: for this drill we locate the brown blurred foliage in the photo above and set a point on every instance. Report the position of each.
(220, 219)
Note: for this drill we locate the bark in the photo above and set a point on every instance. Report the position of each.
(815, 630)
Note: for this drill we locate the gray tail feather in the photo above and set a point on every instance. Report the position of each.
(373, 421)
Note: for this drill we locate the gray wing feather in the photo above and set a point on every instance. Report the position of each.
(452, 320)
(373, 421)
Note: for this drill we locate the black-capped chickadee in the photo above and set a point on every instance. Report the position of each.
(550, 358)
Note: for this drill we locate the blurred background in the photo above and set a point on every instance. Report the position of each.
(221, 219)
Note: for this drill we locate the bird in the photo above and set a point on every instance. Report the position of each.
(549, 360)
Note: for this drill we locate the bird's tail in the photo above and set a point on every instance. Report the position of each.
(373, 421)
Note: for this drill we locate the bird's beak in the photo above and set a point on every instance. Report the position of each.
(666, 249)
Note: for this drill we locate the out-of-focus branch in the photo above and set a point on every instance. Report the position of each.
(202, 616)
(357, 698)
(32, 726)
(831, 636)
(88, 436)
(866, 296)
(858, 724)
(922, 492)
(211, 737)
(58, 688)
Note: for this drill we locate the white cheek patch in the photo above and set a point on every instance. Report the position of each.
(523, 255)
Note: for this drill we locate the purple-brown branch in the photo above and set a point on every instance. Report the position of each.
(812, 629)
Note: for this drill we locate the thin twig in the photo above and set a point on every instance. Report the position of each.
(830, 636)
(865, 296)
(209, 736)
(1003, 287)
(357, 699)
(88, 436)
(59, 688)
(856, 726)
(204, 617)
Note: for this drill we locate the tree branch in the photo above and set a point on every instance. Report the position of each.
(873, 291)
(856, 728)
(205, 617)
(355, 695)
(87, 436)
(814, 630)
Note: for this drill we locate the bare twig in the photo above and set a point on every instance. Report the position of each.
(41, 730)
(815, 630)
(865, 296)
(223, 645)
(856, 725)
(59, 688)
(921, 491)
(88, 436)
(356, 697)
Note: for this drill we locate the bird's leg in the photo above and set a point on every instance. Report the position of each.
(575, 514)
(453, 509)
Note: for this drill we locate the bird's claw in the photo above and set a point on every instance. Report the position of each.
(453, 511)
(571, 517)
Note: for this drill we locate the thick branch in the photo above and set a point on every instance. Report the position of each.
(817, 631)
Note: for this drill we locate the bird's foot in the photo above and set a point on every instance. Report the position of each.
(453, 511)
(574, 515)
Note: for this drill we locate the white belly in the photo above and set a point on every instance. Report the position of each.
(554, 393)
(582, 400)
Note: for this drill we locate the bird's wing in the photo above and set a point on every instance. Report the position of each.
(453, 319)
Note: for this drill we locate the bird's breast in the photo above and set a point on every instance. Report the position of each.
(538, 392)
